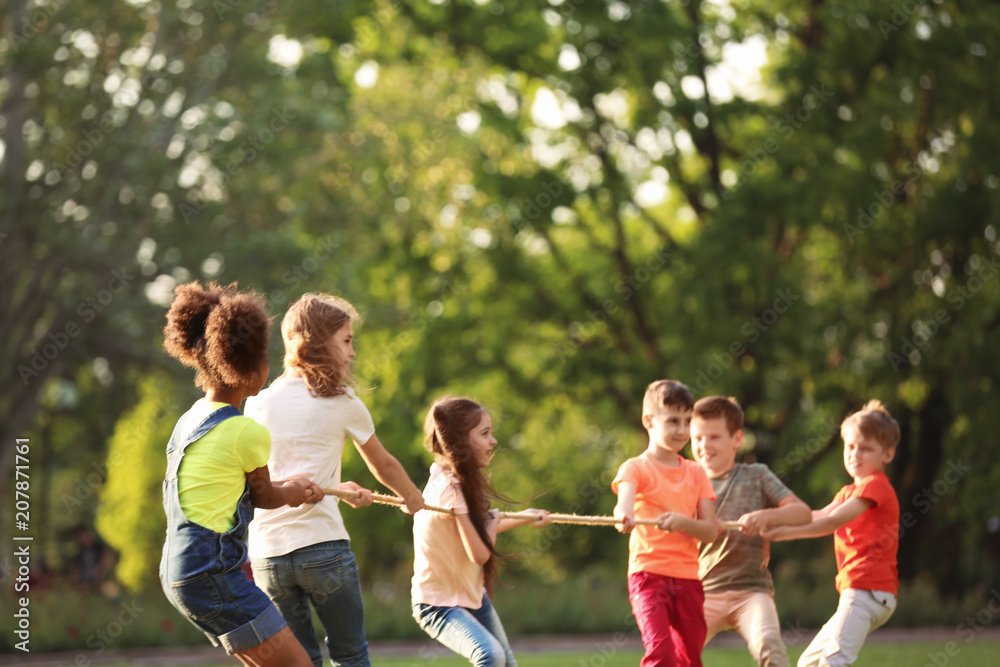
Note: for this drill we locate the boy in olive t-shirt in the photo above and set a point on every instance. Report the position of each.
(739, 593)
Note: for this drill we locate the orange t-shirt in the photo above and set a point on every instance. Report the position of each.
(661, 488)
(866, 547)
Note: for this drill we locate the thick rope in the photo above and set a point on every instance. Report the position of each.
(381, 499)
(572, 519)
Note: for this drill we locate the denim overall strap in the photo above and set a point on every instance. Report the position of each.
(206, 549)
(176, 446)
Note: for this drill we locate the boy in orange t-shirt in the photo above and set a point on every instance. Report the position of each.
(864, 520)
(664, 589)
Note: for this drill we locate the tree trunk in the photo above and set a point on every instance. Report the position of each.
(927, 450)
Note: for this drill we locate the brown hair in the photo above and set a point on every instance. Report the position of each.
(714, 407)
(306, 331)
(874, 421)
(663, 393)
(219, 331)
(446, 434)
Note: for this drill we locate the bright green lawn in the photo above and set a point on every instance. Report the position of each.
(977, 654)
(875, 655)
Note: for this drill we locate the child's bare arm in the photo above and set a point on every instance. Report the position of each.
(825, 512)
(267, 494)
(625, 509)
(390, 472)
(790, 512)
(828, 521)
(542, 521)
(704, 527)
(477, 550)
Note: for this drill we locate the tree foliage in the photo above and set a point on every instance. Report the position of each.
(545, 205)
(130, 516)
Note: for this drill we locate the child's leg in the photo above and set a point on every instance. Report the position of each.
(670, 614)
(811, 656)
(277, 578)
(334, 588)
(649, 595)
(757, 620)
(688, 624)
(488, 616)
(717, 613)
(280, 650)
(458, 629)
(840, 641)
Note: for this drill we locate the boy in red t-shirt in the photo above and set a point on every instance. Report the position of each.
(664, 589)
(864, 520)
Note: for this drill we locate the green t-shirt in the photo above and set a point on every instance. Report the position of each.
(212, 475)
(735, 561)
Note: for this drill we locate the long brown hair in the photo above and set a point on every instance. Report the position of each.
(306, 331)
(446, 434)
(221, 332)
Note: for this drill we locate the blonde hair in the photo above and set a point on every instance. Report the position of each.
(874, 421)
(306, 330)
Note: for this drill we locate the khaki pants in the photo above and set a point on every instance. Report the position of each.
(841, 639)
(752, 614)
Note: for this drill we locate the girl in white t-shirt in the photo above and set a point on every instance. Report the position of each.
(455, 557)
(301, 556)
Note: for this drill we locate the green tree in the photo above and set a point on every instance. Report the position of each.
(141, 146)
(814, 227)
(543, 205)
(130, 517)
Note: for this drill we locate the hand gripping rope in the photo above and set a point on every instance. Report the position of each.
(573, 519)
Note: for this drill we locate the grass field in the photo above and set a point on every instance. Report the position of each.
(980, 653)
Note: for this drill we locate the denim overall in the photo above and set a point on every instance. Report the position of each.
(202, 571)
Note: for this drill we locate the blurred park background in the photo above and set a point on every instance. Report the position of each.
(544, 205)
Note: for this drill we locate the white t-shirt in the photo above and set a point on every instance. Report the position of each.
(443, 574)
(307, 438)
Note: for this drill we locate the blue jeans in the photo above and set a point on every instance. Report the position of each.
(325, 575)
(476, 634)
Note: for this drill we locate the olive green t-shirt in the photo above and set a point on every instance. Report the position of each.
(212, 475)
(735, 561)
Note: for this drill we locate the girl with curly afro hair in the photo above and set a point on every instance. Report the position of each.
(217, 472)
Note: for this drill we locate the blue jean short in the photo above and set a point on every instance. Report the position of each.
(231, 611)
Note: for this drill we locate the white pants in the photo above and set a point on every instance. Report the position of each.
(841, 639)
(752, 614)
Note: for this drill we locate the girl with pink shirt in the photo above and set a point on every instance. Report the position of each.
(455, 557)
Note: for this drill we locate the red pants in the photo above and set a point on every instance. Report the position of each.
(671, 618)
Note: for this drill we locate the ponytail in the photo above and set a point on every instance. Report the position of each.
(221, 332)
